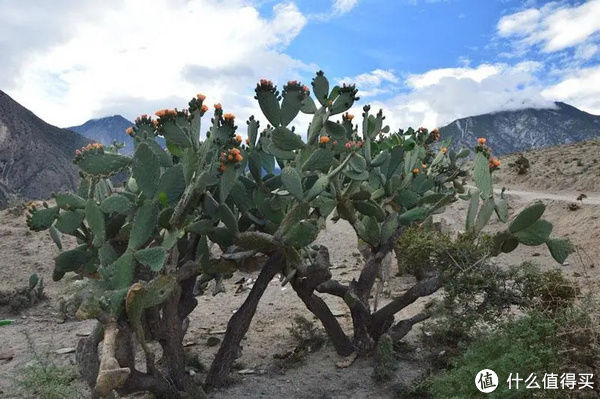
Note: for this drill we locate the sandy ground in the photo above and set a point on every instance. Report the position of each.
(257, 373)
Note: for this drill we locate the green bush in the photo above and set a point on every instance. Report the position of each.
(528, 345)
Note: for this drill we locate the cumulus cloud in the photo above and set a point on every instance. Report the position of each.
(376, 82)
(580, 87)
(135, 55)
(555, 26)
(439, 96)
(343, 6)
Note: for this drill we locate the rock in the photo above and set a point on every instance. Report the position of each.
(63, 351)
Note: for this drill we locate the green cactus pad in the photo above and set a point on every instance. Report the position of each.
(146, 170)
(527, 217)
(560, 249)
(284, 139)
(69, 201)
(502, 210)
(222, 236)
(292, 182)
(174, 134)
(172, 183)
(119, 274)
(55, 235)
(71, 260)
(482, 176)
(116, 203)
(484, 214)
(269, 105)
(279, 153)
(102, 164)
(370, 208)
(368, 230)
(335, 130)
(69, 221)
(228, 219)
(256, 240)
(142, 296)
(317, 188)
(95, 219)
(41, 219)
(301, 234)
(388, 227)
(320, 86)
(240, 196)
(107, 254)
(154, 258)
(164, 158)
(536, 234)
(472, 210)
(291, 104)
(226, 182)
(413, 215)
(319, 160)
(203, 226)
(144, 224)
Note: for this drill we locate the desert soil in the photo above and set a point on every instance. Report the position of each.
(258, 373)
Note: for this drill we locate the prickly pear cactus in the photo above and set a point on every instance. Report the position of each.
(140, 247)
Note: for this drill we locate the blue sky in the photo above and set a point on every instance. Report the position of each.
(425, 62)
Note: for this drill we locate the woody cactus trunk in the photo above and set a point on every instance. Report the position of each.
(142, 248)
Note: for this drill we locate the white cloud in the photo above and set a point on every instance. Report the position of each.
(554, 26)
(434, 76)
(372, 83)
(580, 88)
(343, 6)
(131, 57)
(439, 96)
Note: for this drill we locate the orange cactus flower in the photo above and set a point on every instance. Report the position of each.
(324, 139)
(424, 166)
(129, 130)
(481, 140)
(238, 138)
(204, 108)
(200, 97)
(494, 162)
(160, 113)
(218, 106)
(349, 116)
(229, 117)
(416, 171)
(238, 157)
(230, 157)
(444, 150)
(235, 150)
(305, 88)
(292, 83)
(247, 141)
(222, 168)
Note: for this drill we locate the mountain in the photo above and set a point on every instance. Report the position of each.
(35, 157)
(106, 130)
(521, 130)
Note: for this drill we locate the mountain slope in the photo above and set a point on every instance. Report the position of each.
(514, 131)
(106, 130)
(35, 157)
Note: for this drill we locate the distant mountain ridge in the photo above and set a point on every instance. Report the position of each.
(107, 129)
(521, 130)
(35, 157)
